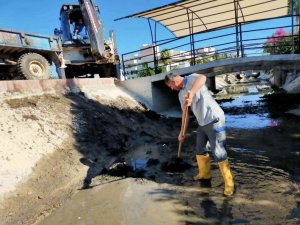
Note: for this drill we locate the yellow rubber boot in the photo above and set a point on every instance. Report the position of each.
(203, 162)
(228, 180)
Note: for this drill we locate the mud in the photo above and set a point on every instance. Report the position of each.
(175, 165)
(116, 168)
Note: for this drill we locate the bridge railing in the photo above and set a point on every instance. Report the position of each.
(273, 36)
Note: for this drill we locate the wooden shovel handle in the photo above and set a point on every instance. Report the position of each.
(183, 125)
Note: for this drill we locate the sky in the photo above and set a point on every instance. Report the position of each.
(42, 16)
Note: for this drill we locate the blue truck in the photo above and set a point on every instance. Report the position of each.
(30, 56)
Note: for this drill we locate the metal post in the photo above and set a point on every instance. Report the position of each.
(154, 58)
(241, 40)
(153, 47)
(193, 41)
(123, 64)
(192, 44)
(236, 27)
(293, 42)
(298, 50)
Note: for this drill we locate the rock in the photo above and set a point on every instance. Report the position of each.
(292, 84)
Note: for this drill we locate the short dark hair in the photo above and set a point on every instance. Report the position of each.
(170, 77)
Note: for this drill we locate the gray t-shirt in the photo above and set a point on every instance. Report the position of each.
(204, 106)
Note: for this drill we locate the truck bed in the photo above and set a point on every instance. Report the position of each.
(11, 40)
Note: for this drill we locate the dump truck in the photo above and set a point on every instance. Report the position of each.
(30, 56)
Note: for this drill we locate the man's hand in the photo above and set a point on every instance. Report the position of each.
(181, 138)
(188, 99)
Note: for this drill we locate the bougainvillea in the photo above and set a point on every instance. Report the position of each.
(280, 43)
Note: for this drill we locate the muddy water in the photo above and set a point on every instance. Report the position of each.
(247, 112)
(264, 157)
(124, 201)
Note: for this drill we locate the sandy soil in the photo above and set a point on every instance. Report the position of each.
(105, 162)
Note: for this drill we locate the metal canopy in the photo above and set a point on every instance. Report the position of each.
(188, 17)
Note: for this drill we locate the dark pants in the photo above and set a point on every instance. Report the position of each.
(215, 134)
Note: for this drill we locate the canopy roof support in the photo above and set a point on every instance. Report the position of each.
(235, 2)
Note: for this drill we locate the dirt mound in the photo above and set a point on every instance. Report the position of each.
(63, 141)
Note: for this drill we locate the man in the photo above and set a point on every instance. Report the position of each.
(211, 121)
(80, 30)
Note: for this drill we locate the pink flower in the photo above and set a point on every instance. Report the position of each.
(280, 33)
(277, 36)
(271, 40)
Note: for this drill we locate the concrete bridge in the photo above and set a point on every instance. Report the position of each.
(155, 95)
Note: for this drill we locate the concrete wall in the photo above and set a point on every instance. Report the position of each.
(152, 92)
(141, 88)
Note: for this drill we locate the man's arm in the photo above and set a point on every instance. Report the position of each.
(199, 82)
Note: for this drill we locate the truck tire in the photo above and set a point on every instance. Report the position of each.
(34, 66)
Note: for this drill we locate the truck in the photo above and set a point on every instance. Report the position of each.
(30, 56)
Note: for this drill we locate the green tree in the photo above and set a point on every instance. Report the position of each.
(203, 59)
(165, 57)
(146, 71)
(219, 56)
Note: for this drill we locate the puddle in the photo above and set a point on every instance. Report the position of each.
(252, 90)
(250, 121)
(243, 118)
(244, 101)
(245, 150)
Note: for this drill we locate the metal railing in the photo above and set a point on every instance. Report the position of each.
(250, 39)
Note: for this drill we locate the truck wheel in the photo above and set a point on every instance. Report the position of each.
(34, 66)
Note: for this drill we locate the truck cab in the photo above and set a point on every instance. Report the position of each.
(70, 15)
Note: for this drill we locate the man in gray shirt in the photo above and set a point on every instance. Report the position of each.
(211, 125)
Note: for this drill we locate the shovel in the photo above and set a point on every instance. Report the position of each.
(183, 124)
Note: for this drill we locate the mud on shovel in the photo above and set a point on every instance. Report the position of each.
(183, 124)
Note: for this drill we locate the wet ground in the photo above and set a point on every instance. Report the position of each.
(144, 187)
(131, 179)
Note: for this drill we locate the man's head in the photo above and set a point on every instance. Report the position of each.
(174, 81)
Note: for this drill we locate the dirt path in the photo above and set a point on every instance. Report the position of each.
(138, 189)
